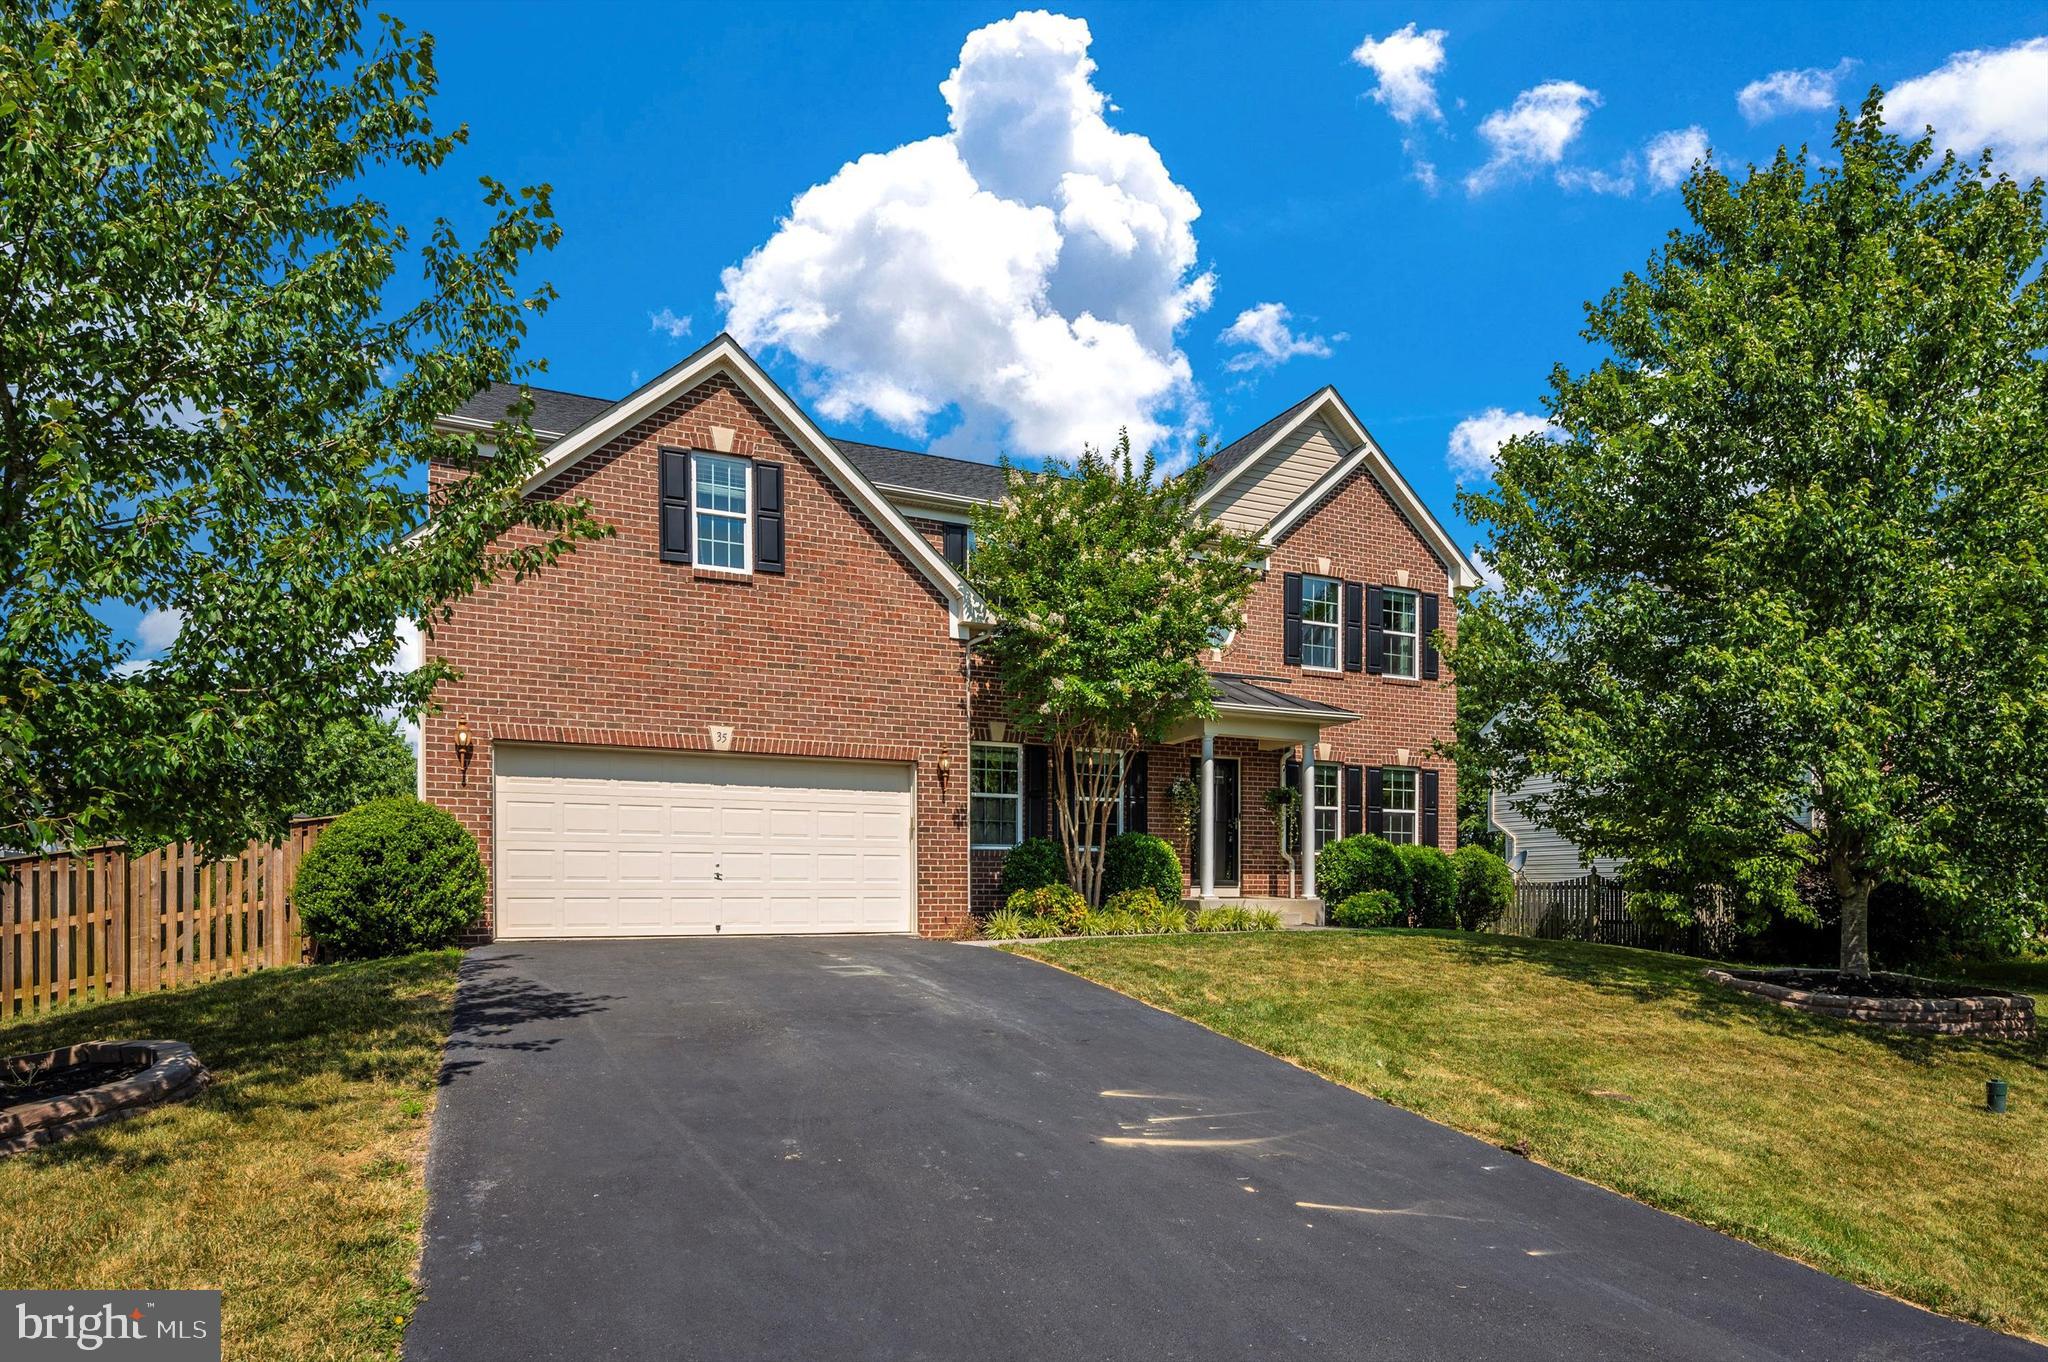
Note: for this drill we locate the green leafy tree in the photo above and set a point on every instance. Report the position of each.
(1775, 592)
(211, 406)
(1105, 586)
(353, 761)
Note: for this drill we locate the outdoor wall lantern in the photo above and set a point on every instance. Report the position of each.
(465, 747)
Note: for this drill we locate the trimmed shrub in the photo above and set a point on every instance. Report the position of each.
(1145, 908)
(1058, 904)
(390, 876)
(1033, 863)
(1432, 886)
(1486, 887)
(1003, 925)
(1372, 908)
(1138, 860)
(1352, 865)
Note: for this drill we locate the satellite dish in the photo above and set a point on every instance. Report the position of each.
(1521, 859)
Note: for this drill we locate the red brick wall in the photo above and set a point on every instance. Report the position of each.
(848, 654)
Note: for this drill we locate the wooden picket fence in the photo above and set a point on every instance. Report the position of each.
(100, 923)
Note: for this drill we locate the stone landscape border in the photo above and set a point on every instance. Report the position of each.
(174, 1074)
(1982, 1012)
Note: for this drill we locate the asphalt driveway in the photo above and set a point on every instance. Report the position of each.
(888, 1148)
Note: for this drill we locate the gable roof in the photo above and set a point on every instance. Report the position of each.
(555, 413)
(724, 354)
(905, 470)
(1225, 462)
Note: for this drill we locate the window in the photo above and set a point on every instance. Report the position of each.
(1397, 803)
(720, 508)
(1321, 613)
(995, 795)
(1398, 624)
(1329, 803)
(1087, 768)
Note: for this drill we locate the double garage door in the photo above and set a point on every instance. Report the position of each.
(605, 842)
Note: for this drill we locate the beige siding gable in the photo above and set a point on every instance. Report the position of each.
(1280, 476)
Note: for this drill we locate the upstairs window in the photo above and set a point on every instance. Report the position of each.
(1400, 626)
(1321, 615)
(721, 512)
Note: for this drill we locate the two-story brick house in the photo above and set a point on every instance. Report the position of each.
(757, 708)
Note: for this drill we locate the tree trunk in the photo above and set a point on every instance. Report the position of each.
(1856, 928)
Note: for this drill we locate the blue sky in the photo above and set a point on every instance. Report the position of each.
(1044, 275)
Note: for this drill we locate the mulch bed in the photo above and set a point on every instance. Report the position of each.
(66, 1081)
(1874, 986)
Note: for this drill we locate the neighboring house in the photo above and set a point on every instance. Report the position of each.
(757, 707)
(1538, 853)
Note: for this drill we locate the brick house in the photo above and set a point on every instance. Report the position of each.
(757, 708)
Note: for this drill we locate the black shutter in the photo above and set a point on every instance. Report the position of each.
(1354, 800)
(1136, 819)
(1375, 803)
(1290, 591)
(1429, 626)
(1354, 626)
(768, 546)
(1375, 636)
(1037, 795)
(1429, 825)
(956, 545)
(675, 505)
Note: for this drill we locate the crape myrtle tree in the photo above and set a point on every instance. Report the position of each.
(1774, 594)
(1105, 586)
(215, 402)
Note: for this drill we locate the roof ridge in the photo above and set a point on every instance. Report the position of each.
(918, 453)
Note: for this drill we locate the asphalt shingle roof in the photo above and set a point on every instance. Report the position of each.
(925, 472)
(553, 409)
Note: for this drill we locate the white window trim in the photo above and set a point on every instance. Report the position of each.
(1414, 672)
(1335, 808)
(745, 515)
(1413, 812)
(1017, 799)
(1336, 629)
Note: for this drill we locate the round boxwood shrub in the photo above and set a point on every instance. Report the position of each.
(1032, 864)
(1486, 887)
(1138, 860)
(1058, 904)
(390, 876)
(1432, 886)
(1352, 865)
(1371, 908)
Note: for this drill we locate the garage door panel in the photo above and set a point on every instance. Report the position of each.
(597, 843)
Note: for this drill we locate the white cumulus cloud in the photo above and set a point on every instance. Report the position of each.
(1266, 333)
(667, 323)
(1670, 156)
(1030, 269)
(1407, 63)
(1533, 132)
(1996, 99)
(1783, 92)
(159, 629)
(1476, 440)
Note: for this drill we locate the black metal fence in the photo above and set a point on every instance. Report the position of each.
(1593, 909)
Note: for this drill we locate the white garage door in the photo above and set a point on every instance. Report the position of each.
(605, 842)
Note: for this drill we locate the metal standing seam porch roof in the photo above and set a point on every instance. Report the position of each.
(1239, 694)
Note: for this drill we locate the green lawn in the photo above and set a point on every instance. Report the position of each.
(294, 1184)
(1863, 1152)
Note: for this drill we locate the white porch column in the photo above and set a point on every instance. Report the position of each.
(1208, 871)
(1308, 819)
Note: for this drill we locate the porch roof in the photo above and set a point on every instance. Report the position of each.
(1241, 695)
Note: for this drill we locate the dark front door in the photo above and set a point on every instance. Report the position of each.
(1228, 817)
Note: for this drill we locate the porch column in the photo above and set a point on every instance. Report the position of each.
(1208, 870)
(1308, 819)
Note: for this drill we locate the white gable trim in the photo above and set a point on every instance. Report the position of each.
(1367, 454)
(725, 354)
(1266, 447)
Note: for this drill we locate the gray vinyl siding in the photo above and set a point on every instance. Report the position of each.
(1551, 857)
(1279, 477)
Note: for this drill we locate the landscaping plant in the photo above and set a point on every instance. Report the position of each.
(1371, 908)
(1432, 885)
(1059, 904)
(1486, 887)
(1772, 589)
(1005, 924)
(1153, 913)
(1032, 864)
(1351, 865)
(217, 400)
(392, 876)
(1105, 586)
(1138, 860)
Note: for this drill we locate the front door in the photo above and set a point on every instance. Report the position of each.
(1228, 816)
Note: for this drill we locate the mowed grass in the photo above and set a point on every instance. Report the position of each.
(293, 1184)
(1866, 1153)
